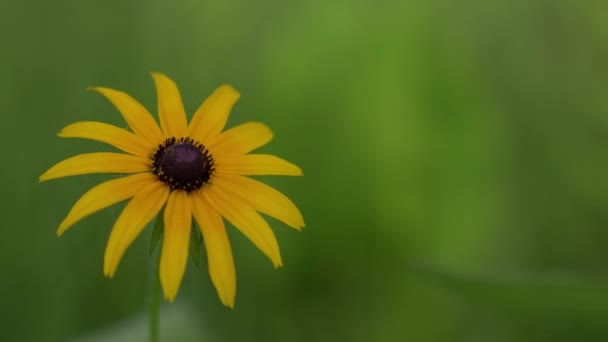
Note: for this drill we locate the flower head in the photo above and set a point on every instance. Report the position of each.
(191, 170)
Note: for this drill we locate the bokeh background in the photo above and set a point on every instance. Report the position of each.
(454, 153)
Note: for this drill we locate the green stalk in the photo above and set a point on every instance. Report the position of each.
(154, 294)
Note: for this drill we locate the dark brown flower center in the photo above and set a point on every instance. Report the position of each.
(182, 163)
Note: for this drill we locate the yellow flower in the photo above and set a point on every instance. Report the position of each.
(194, 169)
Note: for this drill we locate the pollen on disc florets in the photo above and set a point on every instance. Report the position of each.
(182, 163)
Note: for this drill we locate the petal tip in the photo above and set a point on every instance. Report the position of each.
(158, 76)
(103, 91)
(43, 177)
(109, 268)
(61, 133)
(63, 226)
(227, 299)
(297, 171)
(230, 89)
(169, 295)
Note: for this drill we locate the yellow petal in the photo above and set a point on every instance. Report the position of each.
(178, 222)
(210, 118)
(240, 140)
(245, 219)
(262, 198)
(257, 164)
(99, 162)
(109, 134)
(105, 195)
(136, 115)
(132, 220)
(170, 107)
(217, 245)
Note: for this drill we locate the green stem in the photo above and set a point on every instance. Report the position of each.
(154, 300)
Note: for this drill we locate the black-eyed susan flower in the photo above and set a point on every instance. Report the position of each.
(191, 170)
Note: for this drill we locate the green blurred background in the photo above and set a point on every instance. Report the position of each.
(454, 157)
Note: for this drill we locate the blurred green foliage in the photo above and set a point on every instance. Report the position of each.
(454, 155)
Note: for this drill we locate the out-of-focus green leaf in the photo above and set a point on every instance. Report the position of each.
(559, 295)
(180, 322)
(195, 245)
(157, 233)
